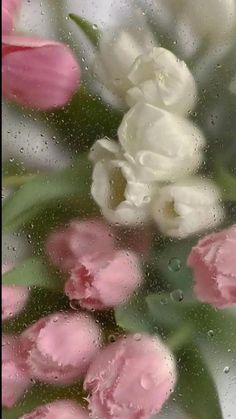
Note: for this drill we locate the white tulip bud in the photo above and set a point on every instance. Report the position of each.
(121, 197)
(118, 49)
(161, 79)
(187, 207)
(160, 145)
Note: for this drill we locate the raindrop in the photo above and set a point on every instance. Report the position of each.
(177, 295)
(226, 370)
(74, 304)
(210, 333)
(111, 338)
(137, 336)
(174, 265)
(95, 27)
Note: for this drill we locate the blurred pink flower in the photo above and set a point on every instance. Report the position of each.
(38, 73)
(59, 347)
(9, 9)
(13, 300)
(67, 245)
(60, 409)
(213, 261)
(15, 374)
(99, 282)
(13, 297)
(131, 378)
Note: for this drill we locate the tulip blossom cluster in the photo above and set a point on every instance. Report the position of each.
(99, 276)
(130, 378)
(37, 73)
(150, 173)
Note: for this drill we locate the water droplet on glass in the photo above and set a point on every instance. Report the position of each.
(226, 370)
(177, 295)
(74, 304)
(95, 27)
(137, 336)
(210, 333)
(164, 300)
(146, 381)
(111, 338)
(174, 265)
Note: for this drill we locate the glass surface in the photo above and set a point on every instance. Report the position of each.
(119, 214)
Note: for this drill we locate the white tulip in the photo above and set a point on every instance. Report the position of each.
(161, 79)
(162, 146)
(121, 198)
(215, 19)
(187, 207)
(118, 49)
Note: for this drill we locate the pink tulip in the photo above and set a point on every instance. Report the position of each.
(131, 378)
(15, 374)
(60, 347)
(14, 297)
(38, 73)
(67, 245)
(213, 261)
(9, 9)
(60, 409)
(102, 282)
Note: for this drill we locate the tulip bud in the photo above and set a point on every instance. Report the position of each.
(14, 297)
(214, 268)
(15, 373)
(68, 244)
(187, 207)
(38, 73)
(123, 199)
(131, 378)
(60, 409)
(60, 347)
(102, 282)
(160, 145)
(118, 49)
(161, 79)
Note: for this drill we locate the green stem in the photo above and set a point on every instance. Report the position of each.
(180, 338)
(17, 180)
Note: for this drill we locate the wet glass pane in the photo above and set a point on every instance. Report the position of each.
(119, 209)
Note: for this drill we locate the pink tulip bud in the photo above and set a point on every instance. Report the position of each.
(15, 374)
(67, 245)
(103, 282)
(214, 268)
(60, 347)
(13, 297)
(60, 409)
(9, 8)
(13, 300)
(131, 378)
(38, 73)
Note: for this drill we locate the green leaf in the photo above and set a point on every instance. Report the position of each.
(90, 30)
(171, 263)
(164, 311)
(196, 392)
(134, 315)
(227, 183)
(84, 120)
(33, 272)
(28, 200)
